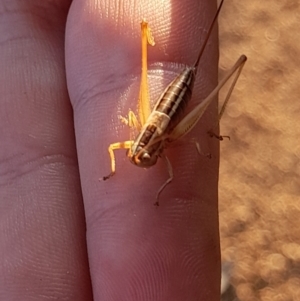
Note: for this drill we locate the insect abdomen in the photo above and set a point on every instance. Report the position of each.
(176, 96)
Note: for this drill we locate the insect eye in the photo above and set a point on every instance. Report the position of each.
(146, 157)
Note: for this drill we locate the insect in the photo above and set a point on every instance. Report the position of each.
(167, 122)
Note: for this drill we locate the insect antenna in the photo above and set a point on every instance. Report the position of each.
(207, 37)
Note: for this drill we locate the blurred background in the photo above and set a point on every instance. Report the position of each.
(259, 186)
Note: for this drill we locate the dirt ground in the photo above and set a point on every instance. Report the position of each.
(259, 174)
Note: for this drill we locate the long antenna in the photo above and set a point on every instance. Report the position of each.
(207, 36)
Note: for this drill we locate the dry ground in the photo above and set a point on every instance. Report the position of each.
(259, 175)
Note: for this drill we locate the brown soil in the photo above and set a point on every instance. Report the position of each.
(260, 168)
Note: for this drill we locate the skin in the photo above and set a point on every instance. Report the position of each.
(63, 234)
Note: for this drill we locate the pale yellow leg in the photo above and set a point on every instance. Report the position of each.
(143, 104)
(144, 101)
(132, 121)
(133, 124)
(111, 148)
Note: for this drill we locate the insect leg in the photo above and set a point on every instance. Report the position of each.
(195, 144)
(211, 133)
(132, 121)
(219, 137)
(171, 175)
(111, 148)
(144, 102)
(191, 119)
(198, 148)
(133, 124)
